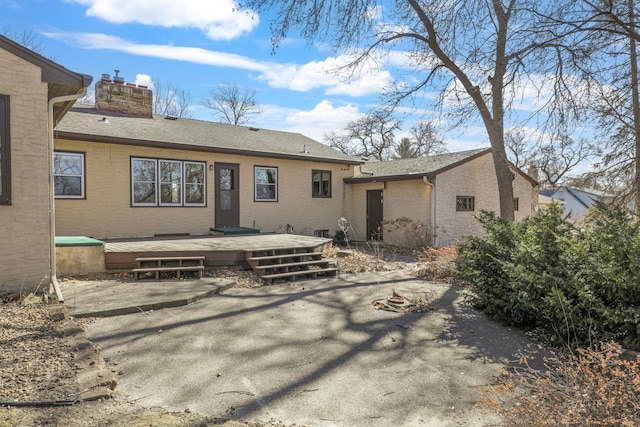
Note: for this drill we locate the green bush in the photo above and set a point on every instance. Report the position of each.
(580, 284)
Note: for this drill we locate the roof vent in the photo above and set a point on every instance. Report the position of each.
(170, 118)
(103, 120)
(118, 79)
(254, 129)
(304, 149)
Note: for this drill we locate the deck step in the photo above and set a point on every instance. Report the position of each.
(292, 264)
(293, 275)
(289, 263)
(284, 256)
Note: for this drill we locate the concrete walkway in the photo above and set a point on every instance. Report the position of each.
(106, 298)
(313, 353)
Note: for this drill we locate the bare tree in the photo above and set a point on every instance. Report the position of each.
(232, 104)
(372, 135)
(477, 52)
(614, 34)
(170, 100)
(426, 140)
(518, 147)
(554, 156)
(27, 38)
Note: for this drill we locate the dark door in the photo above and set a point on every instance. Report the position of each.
(374, 214)
(227, 195)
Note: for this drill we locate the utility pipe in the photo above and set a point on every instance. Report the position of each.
(432, 207)
(52, 207)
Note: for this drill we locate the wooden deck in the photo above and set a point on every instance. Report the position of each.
(217, 250)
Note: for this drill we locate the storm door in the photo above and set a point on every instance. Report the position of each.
(227, 192)
(374, 214)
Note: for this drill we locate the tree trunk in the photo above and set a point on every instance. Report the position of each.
(635, 97)
(503, 174)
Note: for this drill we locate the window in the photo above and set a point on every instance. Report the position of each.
(170, 183)
(194, 188)
(320, 183)
(516, 204)
(465, 203)
(266, 181)
(158, 182)
(68, 175)
(5, 159)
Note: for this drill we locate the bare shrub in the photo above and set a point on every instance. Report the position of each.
(438, 264)
(595, 387)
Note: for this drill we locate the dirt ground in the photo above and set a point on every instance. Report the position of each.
(38, 376)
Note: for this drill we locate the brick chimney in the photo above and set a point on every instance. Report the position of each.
(534, 172)
(122, 98)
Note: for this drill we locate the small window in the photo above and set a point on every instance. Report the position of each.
(321, 183)
(69, 175)
(5, 158)
(465, 203)
(516, 204)
(266, 182)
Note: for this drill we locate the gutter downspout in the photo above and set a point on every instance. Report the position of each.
(52, 208)
(432, 207)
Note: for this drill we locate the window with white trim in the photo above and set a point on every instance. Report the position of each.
(194, 184)
(465, 203)
(5, 158)
(170, 182)
(159, 182)
(266, 184)
(68, 175)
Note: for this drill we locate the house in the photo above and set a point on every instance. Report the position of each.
(544, 202)
(577, 201)
(130, 173)
(444, 192)
(35, 93)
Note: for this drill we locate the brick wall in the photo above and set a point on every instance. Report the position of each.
(24, 225)
(412, 199)
(127, 99)
(107, 210)
(475, 178)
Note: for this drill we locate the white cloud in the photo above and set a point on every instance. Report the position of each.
(190, 54)
(144, 80)
(219, 19)
(330, 74)
(322, 118)
(301, 78)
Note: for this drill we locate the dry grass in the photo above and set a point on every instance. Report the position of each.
(595, 387)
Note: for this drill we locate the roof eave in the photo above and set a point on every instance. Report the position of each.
(193, 147)
(386, 178)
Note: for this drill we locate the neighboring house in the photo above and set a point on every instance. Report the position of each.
(545, 202)
(444, 192)
(577, 201)
(129, 173)
(34, 92)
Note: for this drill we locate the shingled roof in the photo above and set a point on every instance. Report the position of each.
(88, 124)
(413, 168)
